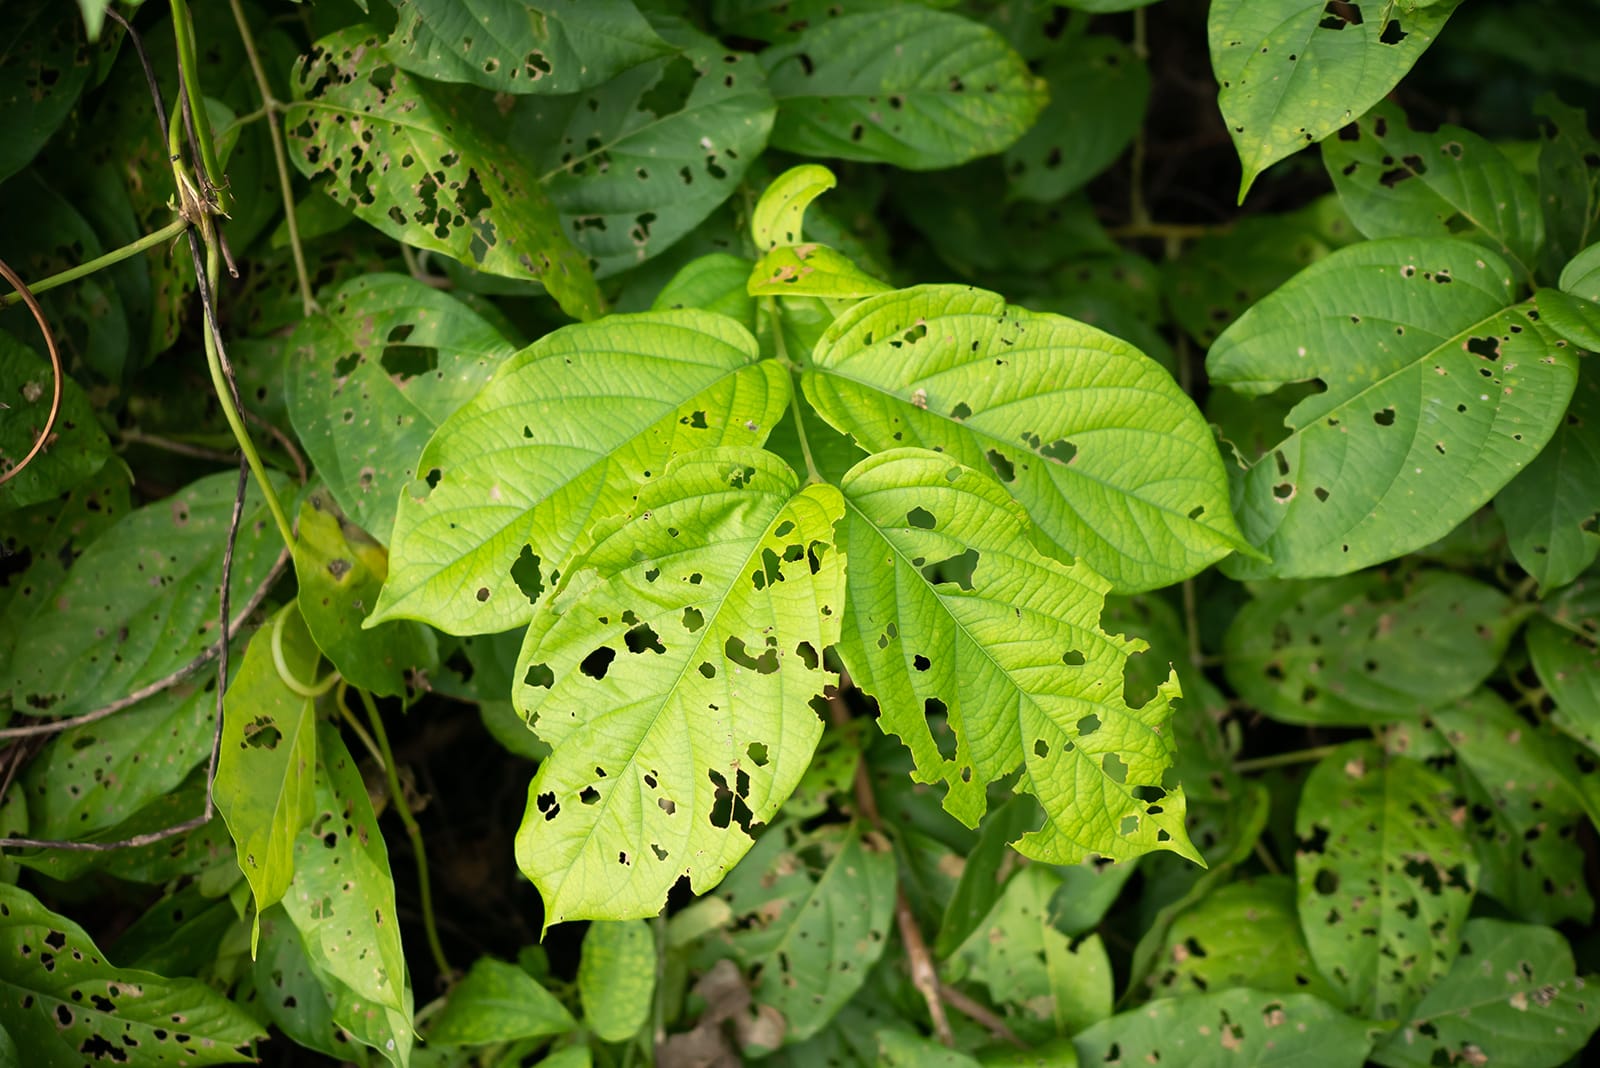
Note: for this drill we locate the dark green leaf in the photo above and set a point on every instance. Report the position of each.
(617, 977)
(42, 70)
(77, 447)
(1238, 1028)
(498, 1002)
(1567, 658)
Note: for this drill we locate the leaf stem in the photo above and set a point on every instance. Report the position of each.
(192, 105)
(271, 106)
(116, 255)
(1138, 212)
(1280, 760)
(781, 351)
(424, 886)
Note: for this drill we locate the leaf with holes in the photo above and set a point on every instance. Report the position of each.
(291, 992)
(1111, 459)
(617, 978)
(1567, 660)
(1366, 649)
(64, 1004)
(1245, 934)
(413, 162)
(675, 679)
(810, 917)
(951, 612)
(519, 46)
(1233, 1029)
(635, 164)
(1569, 179)
(779, 216)
(1513, 997)
(340, 571)
(811, 270)
(1552, 508)
(342, 903)
(510, 484)
(498, 1002)
(1397, 182)
(141, 601)
(1352, 54)
(42, 71)
(1386, 875)
(265, 788)
(77, 447)
(907, 86)
(1098, 90)
(1437, 390)
(372, 376)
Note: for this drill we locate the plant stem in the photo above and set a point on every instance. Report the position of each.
(1167, 230)
(1280, 760)
(424, 887)
(1138, 212)
(190, 97)
(270, 105)
(770, 306)
(116, 255)
(1191, 624)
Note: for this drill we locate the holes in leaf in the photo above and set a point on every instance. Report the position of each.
(1073, 658)
(693, 619)
(921, 663)
(1060, 450)
(546, 803)
(1338, 14)
(643, 637)
(960, 411)
(1283, 491)
(1004, 469)
(597, 663)
(808, 655)
(1392, 33)
(1114, 768)
(1487, 348)
(1088, 725)
(589, 796)
(920, 518)
(764, 664)
(1321, 494)
(528, 575)
(695, 420)
(539, 675)
(1326, 881)
(1041, 748)
(958, 569)
(757, 752)
(708, 670)
(1384, 417)
(728, 805)
(262, 733)
(666, 805)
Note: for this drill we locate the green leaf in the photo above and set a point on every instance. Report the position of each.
(42, 73)
(1049, 985)
(342, 903)
(77, 447)
(432, 175)
(810, 917)
(557, 441)
(141, 601)
(372, 376)
(617, 978)
(915, 88)
(898, 1048)
(1098, 91)
(715, 282)
(1385, 876)
(1549, 509)
(636, 164)
(522, 46)
(986, 868)
(498, 1002)
(340, 571)
(1237, 1028)
(691, 642)
(1397, 182)
(811, 270)
(1245, 934)
(1524, 807)
(1112, 461)
(779, 216)
(1366, 649)
(1567, 660)
(291, 992)
(265, 788)
(952, 612)
(62, 1002)
(1437, 391)
(1513, 997)
(1581, 276)
(178, 935)
(1569, 179)
(1352, 57)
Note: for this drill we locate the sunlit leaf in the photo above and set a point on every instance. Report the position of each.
(811, 270)
(617, 977)
(498, 1002)
(674, 681)
(1238, 1028)
(715, 282)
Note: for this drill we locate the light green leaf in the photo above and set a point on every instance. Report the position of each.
(1385, 877)
(715, 282)
(141, 601)
(1567, 660)
(413, 163)
(340, 571)
(811, 270)
(1397, 182)
(342, 903)
(61, 1001)
(498, 1002)
(1513, 997)
(639, 162)
(1112, 461)
(1366, 649)
(512, 482)
(691, 644)
(952, 612)
(265, 788)
(899, 1048)
(373, 375)
(1352, 56)
(779, 216)
(1549, 509)
(1581, 275)
(1098, 90)
(1245, 934)
(810, 917)
(617, 977)
(1523, 807)
(1437, 391)
(522, 46)
(77, 447)
(915, 88)
(1237, 1028)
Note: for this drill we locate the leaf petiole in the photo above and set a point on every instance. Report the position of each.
(286, 676)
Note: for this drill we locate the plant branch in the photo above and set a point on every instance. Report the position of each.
(980, 1013)
(1280, 760)
(1138, 212)
(192, 108)
(1180, 231)
(116, 255)
(56, 374)
(135, 436)
(270, 105)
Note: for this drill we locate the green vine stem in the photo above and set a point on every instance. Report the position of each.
(770, 306)
(88, 267)
(1282, 760)
(413, 832)
(188, 72)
